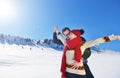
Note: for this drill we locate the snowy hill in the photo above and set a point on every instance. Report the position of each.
(8, 39)
(44, 62)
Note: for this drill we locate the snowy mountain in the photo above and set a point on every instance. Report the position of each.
(15, 40)
(8, 39)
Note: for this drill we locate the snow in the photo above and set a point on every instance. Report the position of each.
(44, 62)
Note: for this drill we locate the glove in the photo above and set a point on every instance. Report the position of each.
(118, 37)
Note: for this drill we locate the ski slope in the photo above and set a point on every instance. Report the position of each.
(44, 62)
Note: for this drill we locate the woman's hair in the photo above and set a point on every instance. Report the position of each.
(83, 39)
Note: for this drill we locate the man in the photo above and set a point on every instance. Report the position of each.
(88, 52)
(85, 45)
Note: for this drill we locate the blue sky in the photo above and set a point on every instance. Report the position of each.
(36, 18)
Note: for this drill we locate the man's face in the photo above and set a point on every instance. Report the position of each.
(67, 33)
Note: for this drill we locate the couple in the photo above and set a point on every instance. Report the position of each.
(74, 60)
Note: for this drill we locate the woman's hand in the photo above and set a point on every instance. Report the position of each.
(76, 65)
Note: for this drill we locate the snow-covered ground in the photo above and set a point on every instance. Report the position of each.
(44, 62)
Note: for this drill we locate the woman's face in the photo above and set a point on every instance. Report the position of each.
(69, 35)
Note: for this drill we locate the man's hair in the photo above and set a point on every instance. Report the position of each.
(64, 29)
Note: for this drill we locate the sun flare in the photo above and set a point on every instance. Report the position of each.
(7, 10)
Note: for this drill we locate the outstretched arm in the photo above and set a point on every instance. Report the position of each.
(55, 38)
(62, 39)
(99, 41)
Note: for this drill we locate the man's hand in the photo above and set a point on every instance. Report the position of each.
(56, 29)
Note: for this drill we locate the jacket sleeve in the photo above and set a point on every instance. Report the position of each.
(62, 38)
(56, 40)
(98, 41)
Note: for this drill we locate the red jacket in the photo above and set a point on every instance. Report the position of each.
(73, 44)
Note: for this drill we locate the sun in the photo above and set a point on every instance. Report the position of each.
(7, 10)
